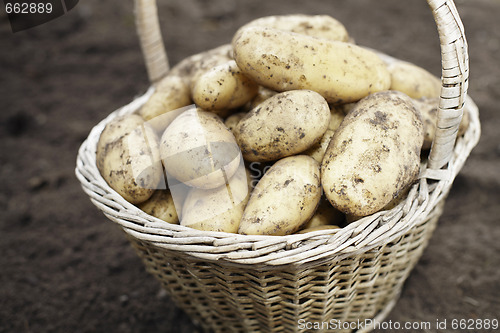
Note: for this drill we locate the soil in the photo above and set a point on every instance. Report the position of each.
(66, 268)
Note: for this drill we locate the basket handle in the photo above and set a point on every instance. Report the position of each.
(454, 64)
(148, 29)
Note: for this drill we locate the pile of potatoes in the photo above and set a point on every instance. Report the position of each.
(290, 128)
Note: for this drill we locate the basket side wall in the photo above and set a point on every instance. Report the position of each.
(227, 298)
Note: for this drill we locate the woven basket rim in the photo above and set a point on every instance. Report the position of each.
(357, 237)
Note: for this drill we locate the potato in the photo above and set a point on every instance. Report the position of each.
(374, 154)
(223, 87)
(218, 209)
(282, 61)
(413, 80)
(128, 158)
(346, 108)
(318, 227)
(285, 124)
(161, 205)
(187, 68)
(428, 108)
(320, 26)
(284, 199)
(198, 150)
(262, 94)
(325, 215)
(464, 123)
(233, 120)
(171, 94)
(317, 151)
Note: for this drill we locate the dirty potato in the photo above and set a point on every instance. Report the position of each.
(218, 209)
(317, 150)
(223, 87)
(161, 205)
(413, 80)
(262, 94)
(282, 61)
(189, 67)
(263, 135)
(320, 26)
(198, 150)
(428, 108)
(128, 158)
(326, 214)
(171, 94)
(284, 199)
(374, 154)
(233, 120)
(319, 227)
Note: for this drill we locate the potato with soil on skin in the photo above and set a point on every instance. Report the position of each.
(319, 227)
(128, 158)
(200, 62)
(337, 115)
(171, 94)
(198, 150)
(262, 94)
(325, 215)
(233, 120)
(218, 209)
(161, 205)
(374, 155)
(464, 123)
(317, 151)
(319, 26)
(283, 61)
(346, 108)
(283, 125)
(413, 80)
(223, 87)
(428, 108)
(284, 199)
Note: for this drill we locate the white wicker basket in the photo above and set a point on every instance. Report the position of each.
(230, 282)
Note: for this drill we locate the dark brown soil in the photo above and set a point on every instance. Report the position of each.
(65, 268)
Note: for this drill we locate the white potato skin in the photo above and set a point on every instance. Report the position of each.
(233, 120)
(261, 96)
(128, 158)
(199, 150)
(317, 151)
(264, 135)
(171, 94)
(325, 215)
(282, 61)
(428, 108)
(284, 199)
(413, 80)
(320, 26)
(161, 205)
(189, 67)
(218, 209)
(319, 227)
(223, 87)
(374, 154)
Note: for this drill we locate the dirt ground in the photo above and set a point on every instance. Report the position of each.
(65, 268)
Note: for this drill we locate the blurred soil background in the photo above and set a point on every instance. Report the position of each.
(65, 268)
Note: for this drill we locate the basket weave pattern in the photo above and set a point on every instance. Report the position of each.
(236, 299)
(230, 282)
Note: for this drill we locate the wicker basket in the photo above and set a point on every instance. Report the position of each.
(229, 282)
